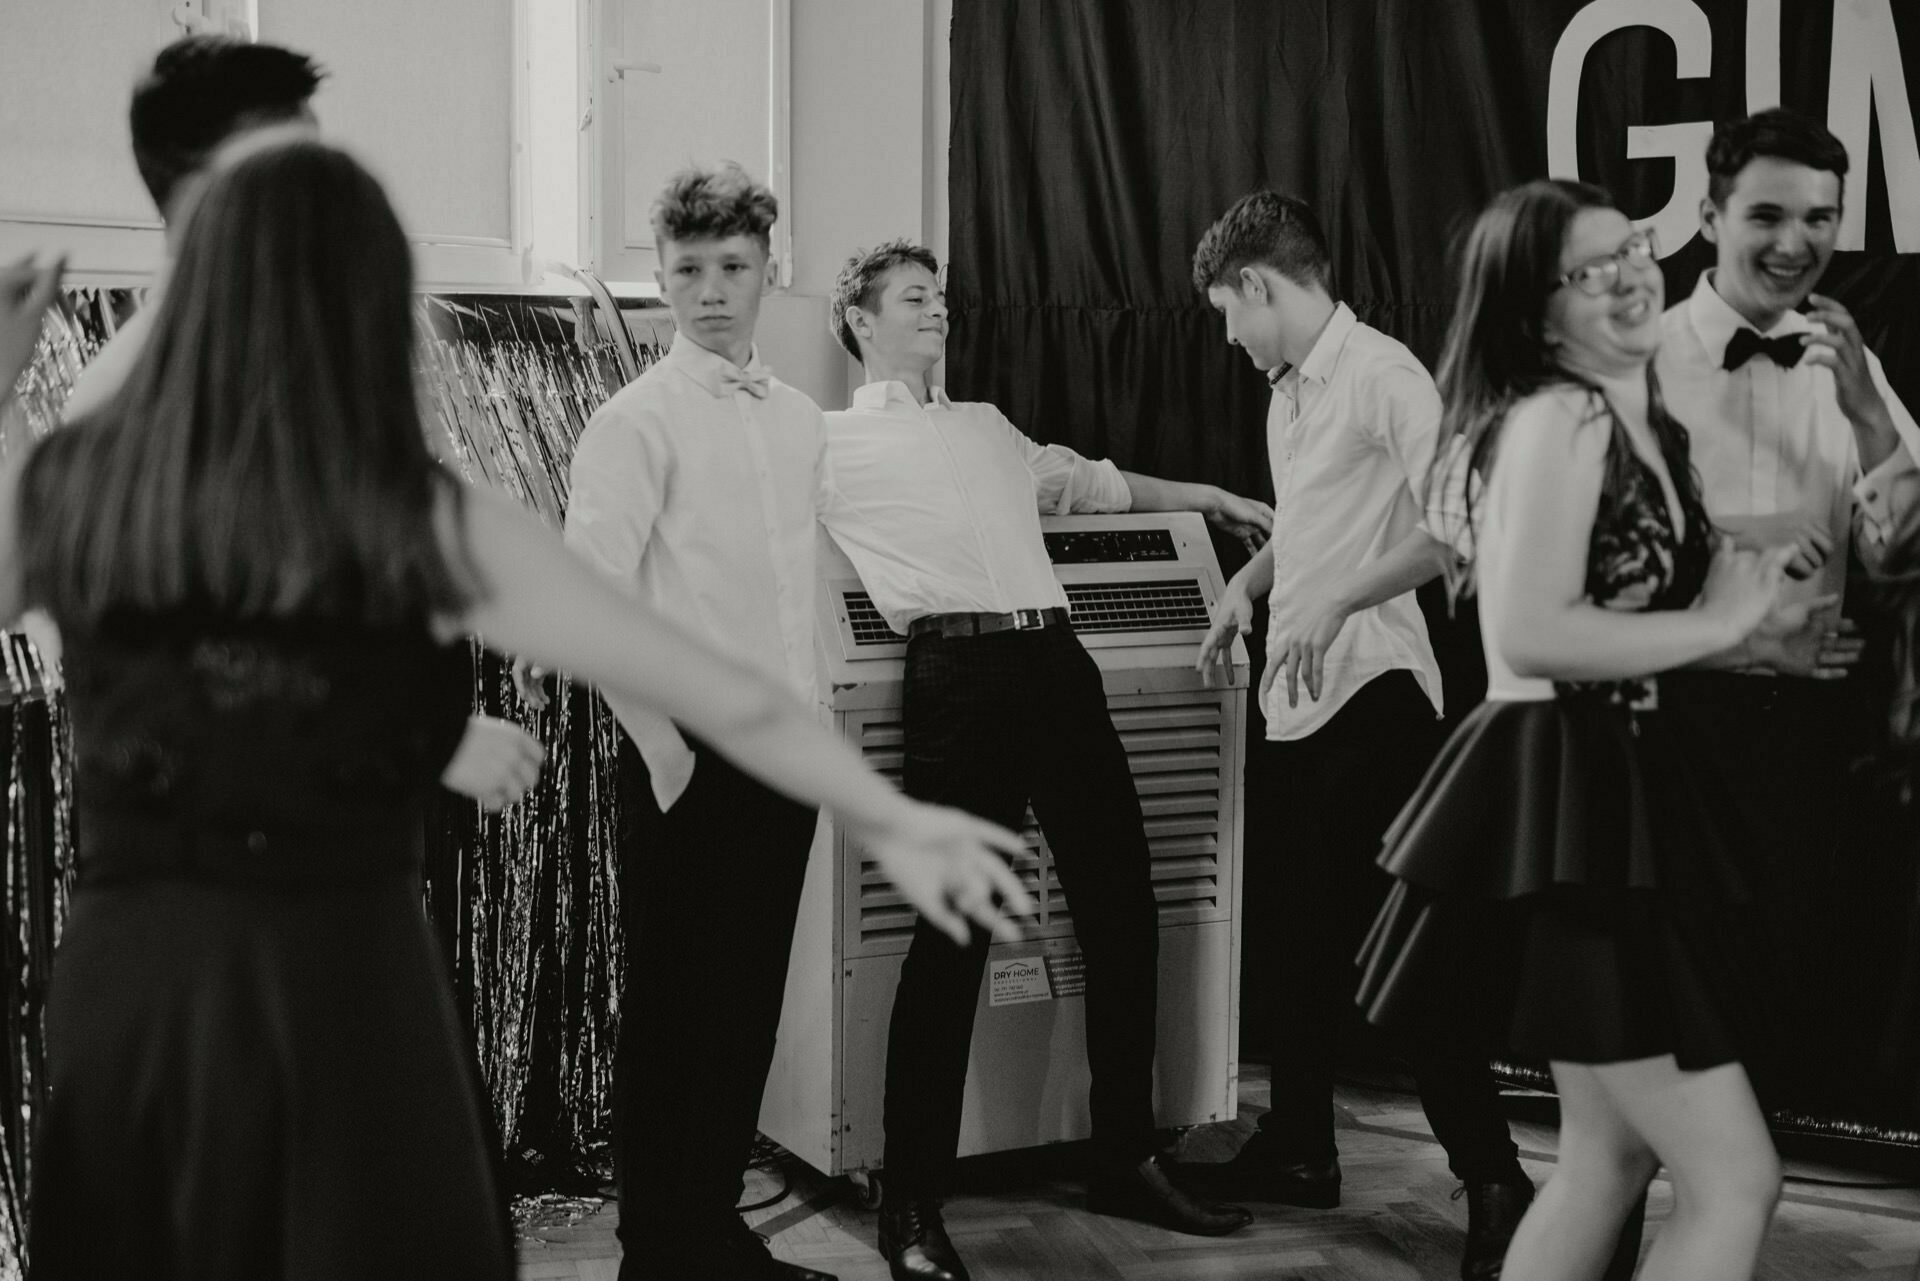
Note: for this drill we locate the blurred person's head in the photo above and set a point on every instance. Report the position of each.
(1555, 286)
(266, 454)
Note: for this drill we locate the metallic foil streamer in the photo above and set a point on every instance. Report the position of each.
(528, 900)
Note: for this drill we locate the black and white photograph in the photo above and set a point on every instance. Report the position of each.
(960, 640)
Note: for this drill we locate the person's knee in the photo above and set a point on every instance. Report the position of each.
(1745, 1185)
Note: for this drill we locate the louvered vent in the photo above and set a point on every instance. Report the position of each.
(1177, 755)
(1169, 605)
(869, 628)
(1160, 605)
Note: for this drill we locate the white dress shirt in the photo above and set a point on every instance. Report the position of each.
(1350, 435)
(938, 505)
(700, 500)
(1772, 442)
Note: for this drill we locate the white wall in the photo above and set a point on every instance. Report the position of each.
(869, 125)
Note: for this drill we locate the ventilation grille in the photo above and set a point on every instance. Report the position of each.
(1160, 605)
(1178, 758)
(1164, 605)
(869, 628)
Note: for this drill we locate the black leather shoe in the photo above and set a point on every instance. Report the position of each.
(1258, 1173)
(1145, 1191)
(1493, 1212)
(913, 1237)
(745, 1257)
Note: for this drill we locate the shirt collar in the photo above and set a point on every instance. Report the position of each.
(1716, 322)
(1318, 366)
(705, 366)
(881, 395)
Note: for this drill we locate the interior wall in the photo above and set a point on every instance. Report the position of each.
(869, 164)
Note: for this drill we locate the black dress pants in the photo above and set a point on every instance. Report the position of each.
(991, 723)
(709, 890)
(1341, 788)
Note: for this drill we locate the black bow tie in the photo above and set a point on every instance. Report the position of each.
(1784, 351)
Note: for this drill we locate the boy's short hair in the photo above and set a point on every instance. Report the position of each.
(713, 204)
(861, 280)
(202, 90)
(1777, 134)
(1265, 227)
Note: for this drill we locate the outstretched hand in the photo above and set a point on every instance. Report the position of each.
(944, 862)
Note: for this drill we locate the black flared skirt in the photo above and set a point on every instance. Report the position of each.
(1570, 885)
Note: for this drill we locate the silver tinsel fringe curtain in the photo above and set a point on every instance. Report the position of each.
(527, 901)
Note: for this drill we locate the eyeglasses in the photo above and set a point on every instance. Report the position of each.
(1599, 277)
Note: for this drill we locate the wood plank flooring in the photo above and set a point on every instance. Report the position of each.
(1019, 1220)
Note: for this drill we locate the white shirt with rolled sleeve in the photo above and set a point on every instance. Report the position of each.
(938, 505)
(700, 500)
(1350, 435)
(1772, 443)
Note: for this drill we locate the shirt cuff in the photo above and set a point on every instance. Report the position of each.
(1881, 498)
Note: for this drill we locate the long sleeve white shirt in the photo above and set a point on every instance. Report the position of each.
(701, 501)
(938, 505)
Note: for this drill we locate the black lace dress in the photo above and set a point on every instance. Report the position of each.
(1570, 882)
(256, 1067)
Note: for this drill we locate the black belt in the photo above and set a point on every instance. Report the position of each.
(1020, 620)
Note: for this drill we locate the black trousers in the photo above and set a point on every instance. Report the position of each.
(991, 723)
(709, 891)
(1786, 748)
(1341, 788)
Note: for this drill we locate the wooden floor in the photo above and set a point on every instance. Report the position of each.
(1020, 1221)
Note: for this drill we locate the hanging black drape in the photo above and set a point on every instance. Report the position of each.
(1094, 141)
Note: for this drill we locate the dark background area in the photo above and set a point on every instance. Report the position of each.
(1094, 141)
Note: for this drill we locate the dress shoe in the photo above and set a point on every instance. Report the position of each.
(913, 1237)
(744, 1257)
(1493, 1212)
(1258, 1172)
(1145, 1191)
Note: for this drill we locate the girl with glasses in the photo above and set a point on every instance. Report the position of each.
(1570, 841)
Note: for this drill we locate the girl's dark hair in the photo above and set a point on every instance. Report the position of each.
(1496, 353)
(266, 455)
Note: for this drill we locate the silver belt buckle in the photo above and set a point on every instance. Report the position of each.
(1028, 620)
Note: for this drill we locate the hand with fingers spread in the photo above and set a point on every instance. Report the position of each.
(951, 866)
(1232, 616)
(496, 763)
(26, 291)
(1299, 634)
(1807, 638)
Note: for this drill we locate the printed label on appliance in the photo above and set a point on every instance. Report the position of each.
(1017, 981)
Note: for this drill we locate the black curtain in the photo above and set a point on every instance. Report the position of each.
(1094, 141)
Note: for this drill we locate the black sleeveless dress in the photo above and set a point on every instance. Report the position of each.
(1569, 878)
(256, 1069)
